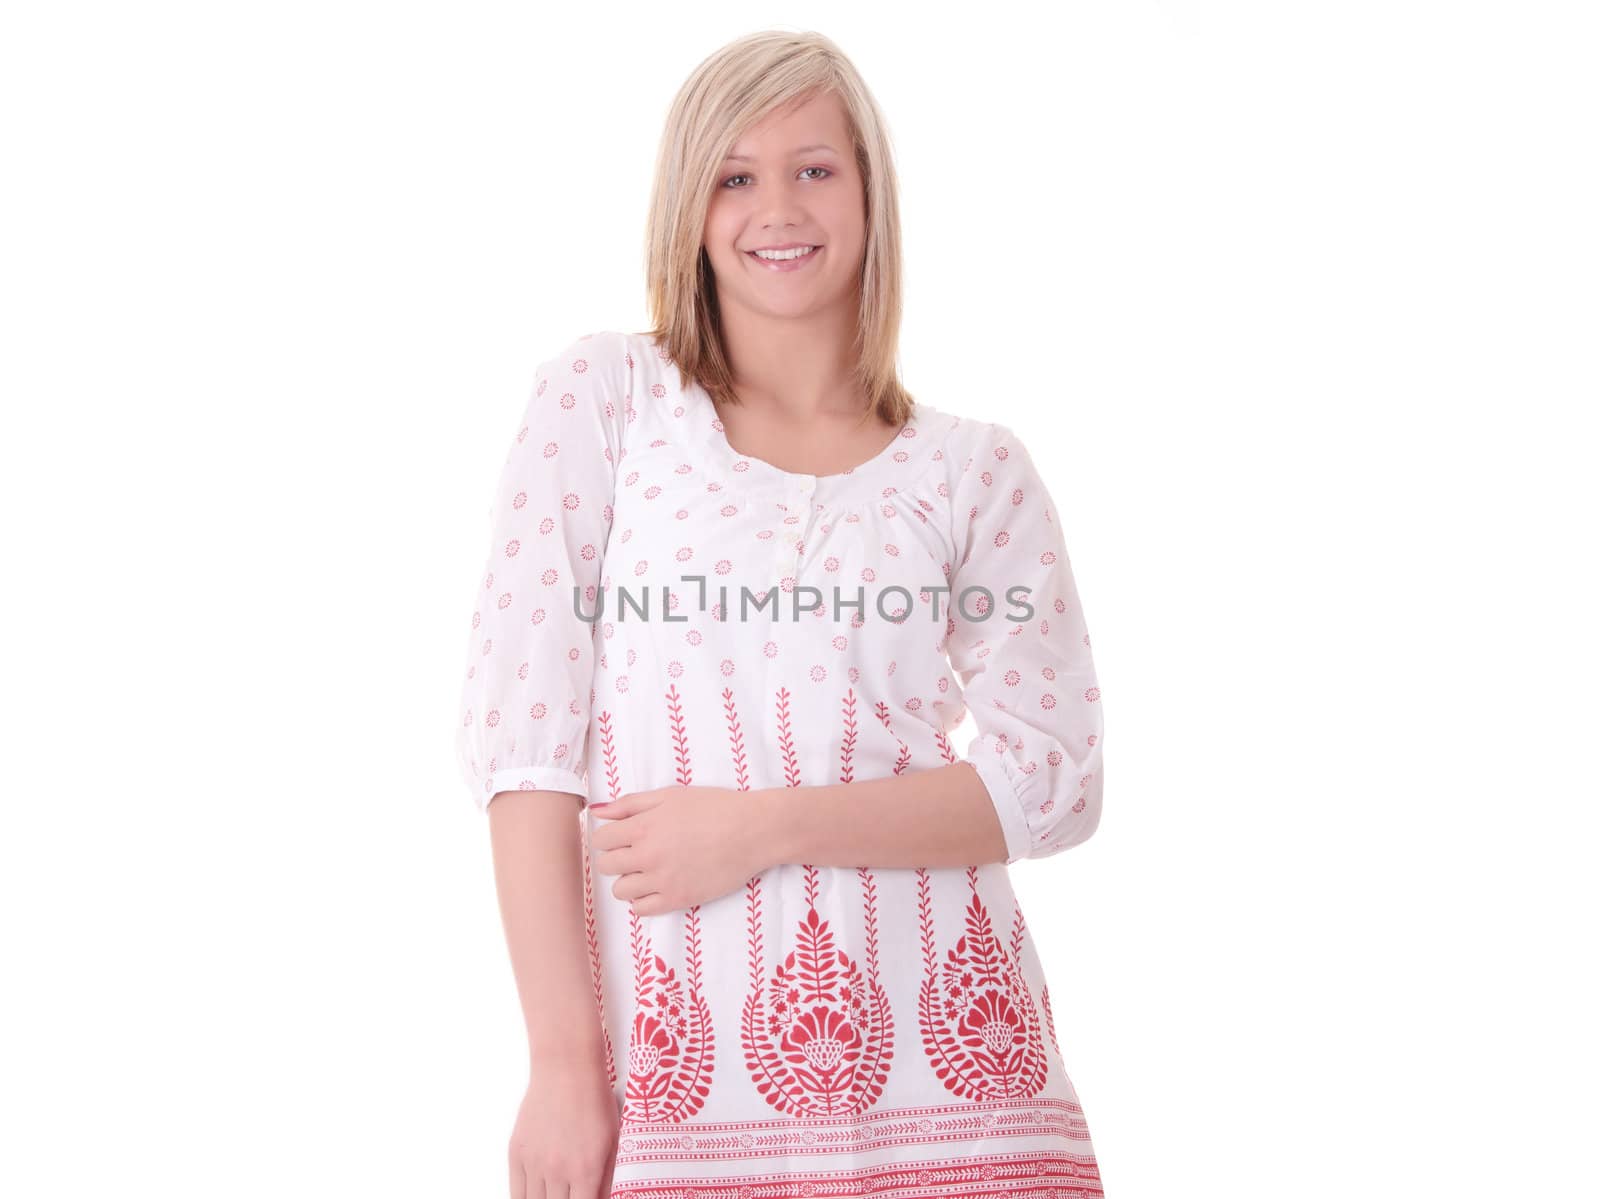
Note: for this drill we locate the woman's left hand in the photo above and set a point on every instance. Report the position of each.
(675, 847)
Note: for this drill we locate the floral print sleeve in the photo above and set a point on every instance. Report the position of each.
(525, 701)
(1029, 683)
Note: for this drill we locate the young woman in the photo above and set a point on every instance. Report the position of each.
(735, 573)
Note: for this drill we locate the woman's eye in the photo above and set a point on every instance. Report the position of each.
(731, 178)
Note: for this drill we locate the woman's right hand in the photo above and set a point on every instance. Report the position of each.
(565, 1139)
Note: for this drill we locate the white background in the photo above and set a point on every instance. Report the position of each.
(1298, 302)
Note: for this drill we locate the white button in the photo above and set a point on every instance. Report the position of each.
(792, 537)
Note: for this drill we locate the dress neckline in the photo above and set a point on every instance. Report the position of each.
(890, 470)
(865, 478)
(756, 463)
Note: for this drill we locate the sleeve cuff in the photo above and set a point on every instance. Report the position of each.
(1007, 800)
(532, 778)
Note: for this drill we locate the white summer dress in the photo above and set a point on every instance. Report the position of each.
(821, 1031)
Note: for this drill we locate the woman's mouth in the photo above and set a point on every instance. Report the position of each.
(790, 260)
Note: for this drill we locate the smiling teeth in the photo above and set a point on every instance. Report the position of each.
(783, 255)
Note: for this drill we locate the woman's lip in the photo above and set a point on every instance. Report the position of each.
(792, 264)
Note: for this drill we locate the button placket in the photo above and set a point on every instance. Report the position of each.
(797, 519)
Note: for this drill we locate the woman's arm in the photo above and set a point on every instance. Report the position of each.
(521, 742)
(538, 874)
(565, 1136)
(932, 818)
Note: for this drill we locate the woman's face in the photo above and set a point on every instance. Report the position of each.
(796, 184)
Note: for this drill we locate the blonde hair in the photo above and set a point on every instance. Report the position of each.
(729, 92)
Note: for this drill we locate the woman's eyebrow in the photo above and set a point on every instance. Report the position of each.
(798, 150)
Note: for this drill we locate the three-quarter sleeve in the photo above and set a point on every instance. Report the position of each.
(1028, 683)
(525, 703)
